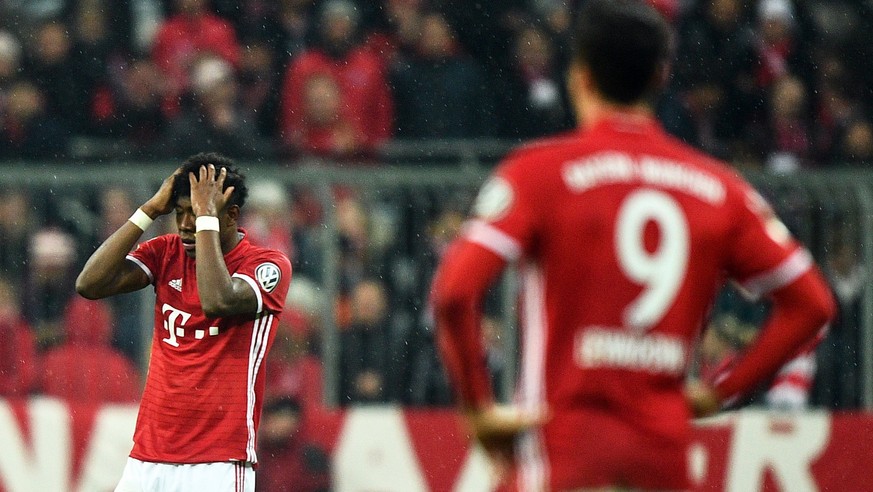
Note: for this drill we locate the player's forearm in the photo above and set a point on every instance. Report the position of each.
(214, 284)
(100, 275)
(459, 286)
(800, 310)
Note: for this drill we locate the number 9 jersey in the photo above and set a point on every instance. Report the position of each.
(624, 236)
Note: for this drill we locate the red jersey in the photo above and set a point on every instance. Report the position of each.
(205, 384)
(624, 236)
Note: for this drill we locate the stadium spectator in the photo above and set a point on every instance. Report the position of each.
(10, 64)
(783, 33)
(85, 368)
(293, 369)
(366, 362)
(215, 119)
(790, 129)
(92, 49)
(290, 462)
(606, 337)
(132, 111)
(856, 146)
(399, 37)
(217, 296)
(327, 128)
(533, 102)
(18, 359)
(49, 283)
(837, 379)
(28, 130)
(52, 67)
(440, 92)
(116, 205)
(17, 225)
(259, 84)
(191, 32)
(365, 109)
(714, 72)
(267, 218)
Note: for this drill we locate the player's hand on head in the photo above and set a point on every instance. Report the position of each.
(207, 194)
(702, 399)
(161, 203)
(496, 429)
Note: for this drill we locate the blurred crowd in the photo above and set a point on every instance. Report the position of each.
(776, 83)
(782, 85)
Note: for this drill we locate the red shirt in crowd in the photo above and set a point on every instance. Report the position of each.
(366, 98)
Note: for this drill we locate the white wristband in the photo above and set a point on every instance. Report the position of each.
(141, 219)
(206, 223)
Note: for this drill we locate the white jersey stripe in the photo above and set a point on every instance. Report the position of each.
(534, 466)
(786, 272)
(143, 266)
(493, 239)
(255, 287)
(256, 347)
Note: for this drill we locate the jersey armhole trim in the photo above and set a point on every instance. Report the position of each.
(783, 274)
(254, 287)
(493, 239)
(143, 267)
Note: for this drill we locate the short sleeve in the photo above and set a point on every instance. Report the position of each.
(763, 254)
(147, 256)
(269, 275)
(503, 216)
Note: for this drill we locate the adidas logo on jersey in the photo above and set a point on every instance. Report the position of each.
(176, 283)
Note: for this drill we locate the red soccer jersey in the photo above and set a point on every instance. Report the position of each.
(625, 236)
(205, 384)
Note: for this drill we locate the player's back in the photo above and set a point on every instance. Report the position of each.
(627, 250)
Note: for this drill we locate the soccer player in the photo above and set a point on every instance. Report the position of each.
(218, 297)
(624, 237)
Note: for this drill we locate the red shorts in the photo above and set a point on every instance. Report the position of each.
(597, 449)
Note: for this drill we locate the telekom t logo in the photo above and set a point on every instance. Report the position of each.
(174, 324)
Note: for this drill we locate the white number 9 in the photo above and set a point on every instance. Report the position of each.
(662, 271)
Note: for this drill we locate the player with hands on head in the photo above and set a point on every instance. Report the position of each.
(217, 300)
(624, 236)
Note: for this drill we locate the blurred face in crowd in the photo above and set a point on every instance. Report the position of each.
(9, 310)
(321, 100)
(724, 14)
(858, 142)
(338, 27)
(437, 40)
(143, 84)
(14, 213)
(368, 303)
(789, 98)
(25, 102)
(533, 49)
(52, 43)
(116, 206)
(191, 7)
(91, 25)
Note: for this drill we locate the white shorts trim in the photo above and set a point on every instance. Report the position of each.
(144, 476)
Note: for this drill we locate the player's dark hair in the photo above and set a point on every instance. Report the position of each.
(235, 178)
(623, 43)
